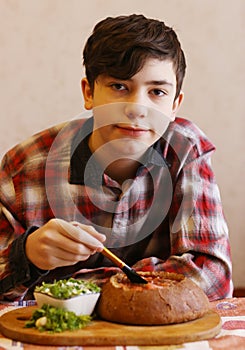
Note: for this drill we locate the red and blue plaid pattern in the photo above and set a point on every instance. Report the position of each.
(38, 181)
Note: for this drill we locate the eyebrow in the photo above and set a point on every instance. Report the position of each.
(159, 82)
(150, 82)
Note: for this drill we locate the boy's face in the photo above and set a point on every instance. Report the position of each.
(130, 115)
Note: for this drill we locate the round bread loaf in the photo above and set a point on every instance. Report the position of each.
(167, 298)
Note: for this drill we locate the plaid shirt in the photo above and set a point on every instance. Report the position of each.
(169, 217)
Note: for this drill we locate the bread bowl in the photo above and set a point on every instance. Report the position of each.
(167, 298)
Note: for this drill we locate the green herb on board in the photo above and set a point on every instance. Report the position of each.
(56, 320)
(65, 289)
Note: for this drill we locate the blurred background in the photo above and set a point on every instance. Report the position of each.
(41, 46)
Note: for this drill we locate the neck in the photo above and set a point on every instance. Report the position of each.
(118, 168)
(122, 169)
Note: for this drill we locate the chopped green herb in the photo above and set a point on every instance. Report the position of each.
(55, 320)
(65, 289)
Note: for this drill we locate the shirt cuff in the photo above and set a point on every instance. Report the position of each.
(24, 272)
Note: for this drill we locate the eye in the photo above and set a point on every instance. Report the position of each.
(158, 92)
(118, 86)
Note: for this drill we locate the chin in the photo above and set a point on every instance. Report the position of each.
(132, 149)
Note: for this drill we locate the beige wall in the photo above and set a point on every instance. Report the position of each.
(40, 71)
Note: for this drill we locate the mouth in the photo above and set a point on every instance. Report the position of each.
(132, 130)
(135, 128)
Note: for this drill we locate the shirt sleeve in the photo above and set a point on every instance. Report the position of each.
(17, 274)
(199, 239)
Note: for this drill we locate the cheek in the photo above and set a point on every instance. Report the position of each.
(101, 96)
(159, 120)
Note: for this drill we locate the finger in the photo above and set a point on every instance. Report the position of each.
(91, 230)
(69, 249)
(78, 234)
(73, 257)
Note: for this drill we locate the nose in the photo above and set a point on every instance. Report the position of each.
(135, 110)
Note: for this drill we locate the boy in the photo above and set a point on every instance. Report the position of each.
(132, 176)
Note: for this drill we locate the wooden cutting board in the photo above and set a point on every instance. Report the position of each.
(104, 333)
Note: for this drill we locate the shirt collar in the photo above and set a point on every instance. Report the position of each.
(84, 171)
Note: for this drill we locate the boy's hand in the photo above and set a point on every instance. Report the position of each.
(59, 243)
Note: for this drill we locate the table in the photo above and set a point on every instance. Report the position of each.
(232, 335)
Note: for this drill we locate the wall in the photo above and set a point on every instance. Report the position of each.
(40, 71)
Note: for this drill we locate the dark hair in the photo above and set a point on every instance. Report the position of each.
(120, 45)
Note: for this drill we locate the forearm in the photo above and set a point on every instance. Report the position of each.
(213, 275)
(200, 246)
(17, 273)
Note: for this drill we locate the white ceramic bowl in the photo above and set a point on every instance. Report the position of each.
(82, 304)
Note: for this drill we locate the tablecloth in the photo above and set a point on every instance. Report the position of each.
(231, 336)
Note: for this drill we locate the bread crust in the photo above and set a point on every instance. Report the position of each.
(167, 298)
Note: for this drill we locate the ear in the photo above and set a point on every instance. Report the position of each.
(177, 103)
(87, 94)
